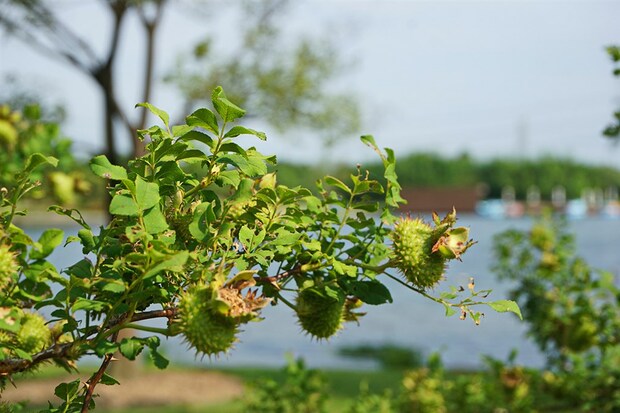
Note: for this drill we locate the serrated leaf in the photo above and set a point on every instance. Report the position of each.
(344, 269)
(242, 130)
(244, 191)
(204, 118)
(147, 194)
(224, 107)
(450, 311)
(114, 286)
(159, 360)
(108, 380)
(180, 130)
(87, 239)
(203, 216)
(502, 306)
(102, 167)
(66, 391)
(89, 305)
(154, 221)
(192, 155)
(173, 263)
(333, 181)
(131, 347)
(124, 204)
(37, 159)
(157, 112)
(371, 292)
(251, 166)
(49, 240)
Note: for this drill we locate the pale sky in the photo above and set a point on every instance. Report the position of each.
(493, 78)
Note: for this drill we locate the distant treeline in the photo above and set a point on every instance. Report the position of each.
(431, 170)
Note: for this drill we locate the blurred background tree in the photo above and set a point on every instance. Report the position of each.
(287, 86)
(613, 129)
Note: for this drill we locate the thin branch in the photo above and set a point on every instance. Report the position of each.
(60, 351)
(94, 380)
(275, 278)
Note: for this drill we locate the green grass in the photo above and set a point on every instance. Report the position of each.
(343, 386)
(341, 383)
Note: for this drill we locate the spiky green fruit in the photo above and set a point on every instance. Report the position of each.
(412, 252)
(204, 327)
(6, 339)
(33, 335)
(180, 224)
(319, 314)
(8, 266)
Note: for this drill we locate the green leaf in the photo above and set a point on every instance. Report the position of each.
(192, 155)
(249, 239)
(108, 380)
(157, 112)
(115, 286)
(230, 177)
(87, 239)
(154, 221)
(244, 191)
(180, 130)
(203, 118)
(81, 269)
(89, 305)
(252, 166)
(233, 147)
(36, 159)
(371, 292)
(78, 218)
(67, 391)
(147, 194)
(173, 263)
(199, 137)
(344, 269)
(124, 204)
(330, 180)
(226, 109)
(159, 360)
(502, 306)
(102, 167)
(450, 311)
(370, 141)
(203, 216)
(131, 347)
(50, 239)
(242, 130)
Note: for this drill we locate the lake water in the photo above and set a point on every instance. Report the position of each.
(412, 320)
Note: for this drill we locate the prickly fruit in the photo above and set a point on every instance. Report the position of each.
(412, 244)
(320, 315)
(205, 328)
(33, 336)
(8, 266)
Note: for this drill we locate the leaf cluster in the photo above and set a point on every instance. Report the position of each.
(232, 238)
